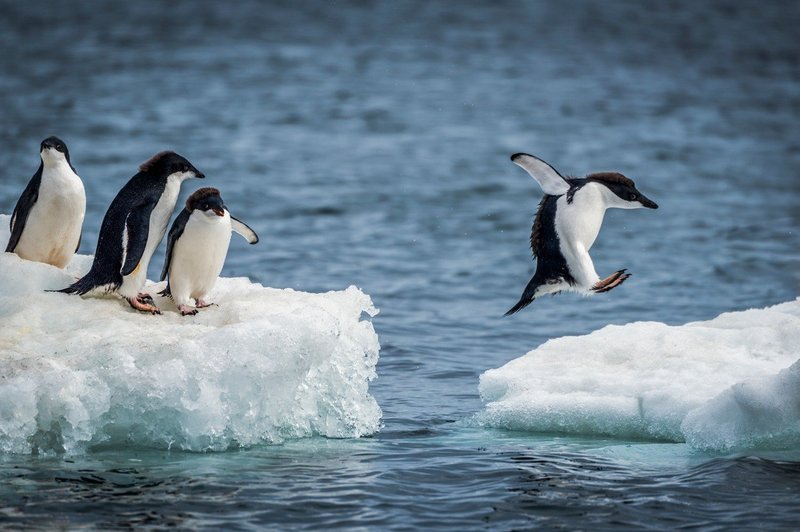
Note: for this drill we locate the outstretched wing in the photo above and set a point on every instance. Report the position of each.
(243, 229)
(175, 233)
(137, 229)
(549, 179)
(23, 208)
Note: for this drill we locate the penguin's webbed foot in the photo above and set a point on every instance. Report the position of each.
(186, 310)
(144, 303)
(610, 282)
(202, 304)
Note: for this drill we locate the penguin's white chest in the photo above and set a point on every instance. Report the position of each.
(578, 223)
(53, 228)
(198, 256)
(159, 218)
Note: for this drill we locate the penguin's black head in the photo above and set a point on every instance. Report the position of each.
(206, 200)
(625, 194)
(56, 144)
(168, 163)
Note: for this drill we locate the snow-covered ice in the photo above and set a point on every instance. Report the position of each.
(726, 384)
(264, 365)
(760, 412)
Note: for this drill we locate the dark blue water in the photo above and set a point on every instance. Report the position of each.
(368, 144)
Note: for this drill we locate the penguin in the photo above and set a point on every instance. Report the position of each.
(196, 248)
(47, 221)
(132, 228)
(566, 225)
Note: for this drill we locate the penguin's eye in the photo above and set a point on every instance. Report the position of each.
(632, 196)
(184, 168)
(60, 147)
(205, 206)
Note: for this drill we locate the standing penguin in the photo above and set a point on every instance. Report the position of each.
(133, 227)
(566, 225)
(47, 221)
(196, 248)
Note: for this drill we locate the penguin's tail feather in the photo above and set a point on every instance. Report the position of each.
(527, 296)
(80, 287)
(86, 284)
(521, 304)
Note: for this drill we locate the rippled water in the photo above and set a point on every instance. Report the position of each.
(368, 144)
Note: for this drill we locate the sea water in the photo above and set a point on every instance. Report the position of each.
(368, 145)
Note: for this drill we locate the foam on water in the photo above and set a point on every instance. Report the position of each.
(265, 365)
(726, 384)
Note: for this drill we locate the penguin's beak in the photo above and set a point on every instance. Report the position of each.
(647, 202)
(216, 205)
(197, 173)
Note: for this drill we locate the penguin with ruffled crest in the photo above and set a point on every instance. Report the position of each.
(196, 249)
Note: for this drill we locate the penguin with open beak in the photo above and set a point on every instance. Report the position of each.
(567, 224)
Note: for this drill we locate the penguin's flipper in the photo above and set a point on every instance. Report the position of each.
(23, 208)
(137, 228)
(549, 179)
(244, 230)
(175, 233)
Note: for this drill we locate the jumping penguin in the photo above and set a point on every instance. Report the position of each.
(133, 227)
(47, 221)
(196, 249)
(566, 225)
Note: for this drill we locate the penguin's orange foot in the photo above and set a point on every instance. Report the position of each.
(186, 310)
(144, 303)
(610, 282)
(203, 304)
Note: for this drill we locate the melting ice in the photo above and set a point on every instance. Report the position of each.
(265, 365)
(726, 384)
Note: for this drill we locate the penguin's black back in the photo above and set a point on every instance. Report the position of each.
(143, 189)
(23, 208)
(551, 266)
(550, 263)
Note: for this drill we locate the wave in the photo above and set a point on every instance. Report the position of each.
(265, 365)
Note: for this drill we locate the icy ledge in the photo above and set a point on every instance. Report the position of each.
(265, 365)
(728, 384)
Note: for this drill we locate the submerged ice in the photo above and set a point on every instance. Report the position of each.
(264, 365)
(726, 384)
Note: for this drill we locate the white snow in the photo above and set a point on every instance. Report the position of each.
(264, 365)
(720, 385)
(760, 412)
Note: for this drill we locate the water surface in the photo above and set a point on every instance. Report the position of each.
(368, 144)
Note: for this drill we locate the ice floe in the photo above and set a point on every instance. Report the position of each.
(264, 365)
(726, 384)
